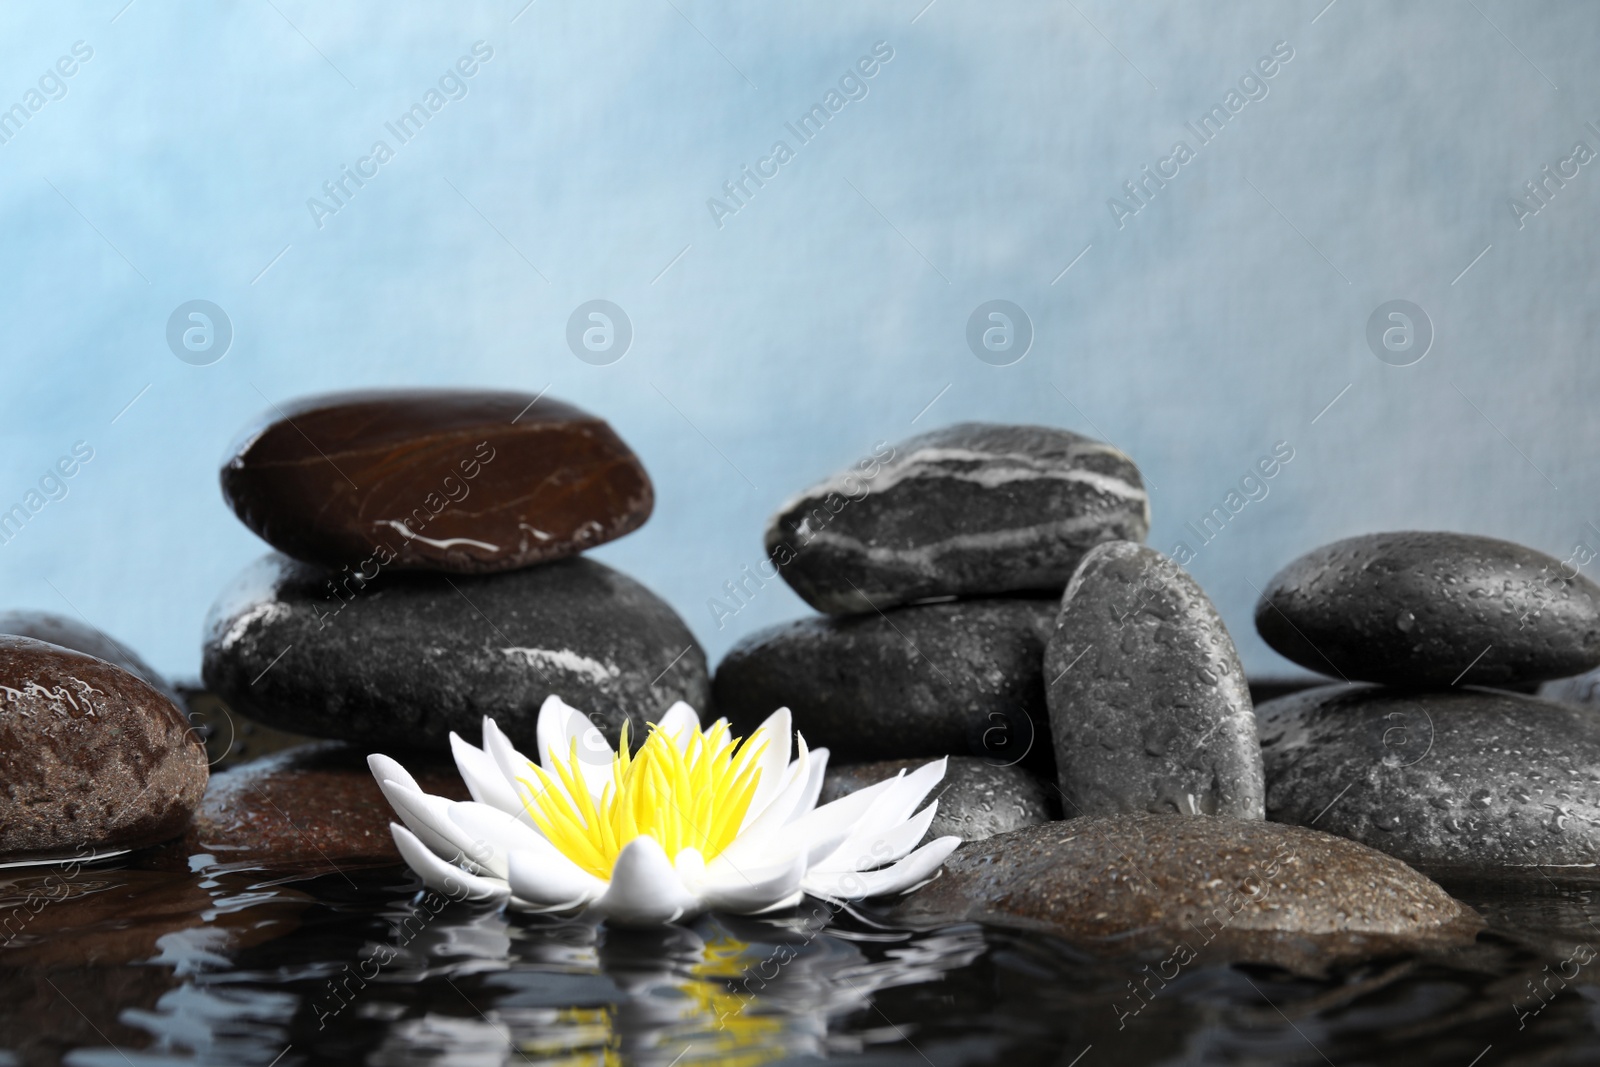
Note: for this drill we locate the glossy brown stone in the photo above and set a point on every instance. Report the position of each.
(313, 806)
(90, 755)
(468, 481)
(1213, 889)
(81, 637)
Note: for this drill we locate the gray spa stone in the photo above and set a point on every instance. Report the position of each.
(1149, 706)
(1466, 783)
(959, 678)
(974, 509)
(1432, 609)
(408, 657)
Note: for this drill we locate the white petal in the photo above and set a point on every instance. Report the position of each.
(645, 890)
(774, 761)
(429, 818)
(514, 766)
(420, 816)
(383, 767)
(756, 894)
(559, 725)
(485, 781)
(835, 820)
(680, 723)
(865, 852)
(813, 790)
(491, 835)
(547, 879)
(443, 877)
(909, 872)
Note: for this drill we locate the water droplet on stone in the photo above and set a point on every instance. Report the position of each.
(1405, 620)
(1482, 798)
(1387, 820)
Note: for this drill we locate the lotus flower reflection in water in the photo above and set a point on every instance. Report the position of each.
(695, 821)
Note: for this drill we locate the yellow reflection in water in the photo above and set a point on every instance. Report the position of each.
(672, 1017)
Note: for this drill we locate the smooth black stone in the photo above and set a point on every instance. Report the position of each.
(81, 637)
(1428, 609)
(1463, 784)
(958, 678)
(1149, 706)
(407, 658)
(974, 509)
(977, 798)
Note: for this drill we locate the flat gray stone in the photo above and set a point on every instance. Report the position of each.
(1432, 609)
(1217, 889)
(977, 798)
(959, 678)
(406, 658)
(1149, 706)
(974, 509)
(1465, 784)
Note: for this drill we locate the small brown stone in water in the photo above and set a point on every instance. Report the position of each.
(91, 757)
(316, 804)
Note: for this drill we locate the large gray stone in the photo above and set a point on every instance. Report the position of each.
(406, 658)
(1465, 784)
(1432, 609)
(959, 678)
(1149, 706)
(974, 509)
(977, 798)
(1212, 889)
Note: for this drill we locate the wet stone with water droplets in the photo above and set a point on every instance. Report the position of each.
(960, 678)
(401, 661)
(1469, 783)
(1428, 609)
(1210, 889)
(92, 757)
(977, 799)
(81, 637)
(1149, 707)
(974, 509)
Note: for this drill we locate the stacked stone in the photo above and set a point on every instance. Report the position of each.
(1440, 758)
(939, 563)
(429, 573)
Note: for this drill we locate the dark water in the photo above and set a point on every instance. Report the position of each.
(119, 967)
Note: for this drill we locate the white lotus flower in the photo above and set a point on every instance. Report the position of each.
(695, 821)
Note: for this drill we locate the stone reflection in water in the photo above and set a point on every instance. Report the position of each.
(724, 991)
(87, 954)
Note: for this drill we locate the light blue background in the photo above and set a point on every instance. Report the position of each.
(830, 311)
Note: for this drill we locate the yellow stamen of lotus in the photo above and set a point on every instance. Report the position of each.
(694, 797)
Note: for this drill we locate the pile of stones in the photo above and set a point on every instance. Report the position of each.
(429, 573)
(1445, 762)
(987, 598)
(983, 594)
(939, 563)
